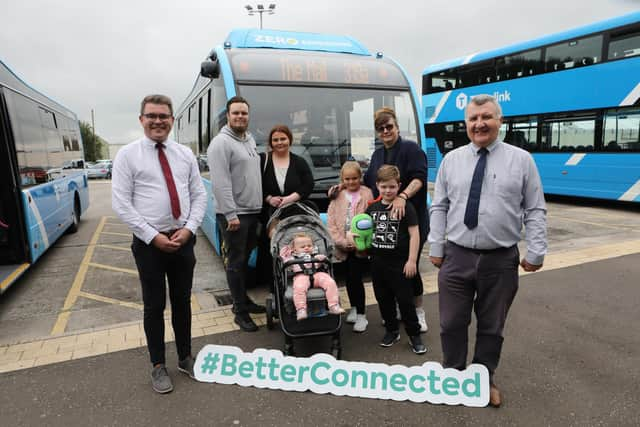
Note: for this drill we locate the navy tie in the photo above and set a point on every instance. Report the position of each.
(473, 202)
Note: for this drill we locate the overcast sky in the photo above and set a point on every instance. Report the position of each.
(107, 55)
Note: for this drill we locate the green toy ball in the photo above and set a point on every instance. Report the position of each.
(362, 229)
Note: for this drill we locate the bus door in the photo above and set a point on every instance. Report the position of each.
(13, 246)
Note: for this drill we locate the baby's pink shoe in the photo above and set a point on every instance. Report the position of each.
(336, 309)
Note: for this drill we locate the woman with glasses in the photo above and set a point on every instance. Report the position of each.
(286, 178)
(409, 158)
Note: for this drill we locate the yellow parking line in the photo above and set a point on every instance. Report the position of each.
(111, 300)
(116, 234)
(63, 318)
(18, 271)
(118, 248)
(108, 267)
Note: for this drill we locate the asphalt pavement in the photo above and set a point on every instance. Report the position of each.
(570, 358)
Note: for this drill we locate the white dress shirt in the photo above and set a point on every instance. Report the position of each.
(139, 190)
(511, 196)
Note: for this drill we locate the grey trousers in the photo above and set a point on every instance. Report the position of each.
(485, 281)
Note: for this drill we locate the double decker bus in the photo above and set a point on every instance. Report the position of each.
(572, 99)
(43, 187)
(324, 87)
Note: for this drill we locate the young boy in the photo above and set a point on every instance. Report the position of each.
(395, 251)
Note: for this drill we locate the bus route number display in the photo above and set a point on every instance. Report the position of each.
(303, 71)
(314, 70)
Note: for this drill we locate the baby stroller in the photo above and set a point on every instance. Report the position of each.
(293, 219)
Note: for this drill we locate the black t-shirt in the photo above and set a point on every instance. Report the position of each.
(391, 236)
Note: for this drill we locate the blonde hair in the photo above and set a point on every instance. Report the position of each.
(350, 165)
(300, 236)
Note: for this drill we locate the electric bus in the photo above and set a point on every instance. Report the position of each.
(572, 99)
(43, 186)
(325, 88)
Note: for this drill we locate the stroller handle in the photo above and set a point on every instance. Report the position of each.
(301, 206)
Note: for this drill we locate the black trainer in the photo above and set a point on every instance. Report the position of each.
(245, 322)
(390, 338)
(416, 344)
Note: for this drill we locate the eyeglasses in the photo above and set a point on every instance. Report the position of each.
(154, 116)
(385, 128)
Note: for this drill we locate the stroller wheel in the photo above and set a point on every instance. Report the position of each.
(336, 352)
(269, 307)
(336, 346)
(288, 350)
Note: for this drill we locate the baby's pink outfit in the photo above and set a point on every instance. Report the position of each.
(301, 281)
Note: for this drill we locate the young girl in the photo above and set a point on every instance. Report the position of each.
(302, 247)
(352, 200)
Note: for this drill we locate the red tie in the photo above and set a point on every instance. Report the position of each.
(171, 185)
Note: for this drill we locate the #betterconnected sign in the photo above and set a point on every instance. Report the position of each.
(321, 373)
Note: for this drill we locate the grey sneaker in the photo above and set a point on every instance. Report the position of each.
(416, 345)
(390, 338)
(186, 366)
(160, 380)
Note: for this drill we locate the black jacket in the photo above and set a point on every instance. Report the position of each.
(299, 178)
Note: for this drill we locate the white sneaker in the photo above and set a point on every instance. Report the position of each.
(421, 319)
(361, 323)
(352, 316)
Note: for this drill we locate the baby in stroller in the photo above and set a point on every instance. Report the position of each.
(302, 248)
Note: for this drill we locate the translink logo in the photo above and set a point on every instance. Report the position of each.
(462, 99)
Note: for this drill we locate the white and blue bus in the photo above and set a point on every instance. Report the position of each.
(572, 99)
(43, 187)
(324, 87)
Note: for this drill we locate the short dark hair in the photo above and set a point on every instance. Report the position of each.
(280, 128)
(156, 99)
(388, 173)
(236, 99)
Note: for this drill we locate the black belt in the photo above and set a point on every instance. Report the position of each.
(482, 251)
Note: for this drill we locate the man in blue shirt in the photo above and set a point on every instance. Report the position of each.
(484, 193)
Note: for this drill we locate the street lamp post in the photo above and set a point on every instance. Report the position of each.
(259, 9)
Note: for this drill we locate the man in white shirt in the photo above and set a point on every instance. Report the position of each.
(157, 191)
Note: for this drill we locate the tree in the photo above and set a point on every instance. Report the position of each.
(94, 147)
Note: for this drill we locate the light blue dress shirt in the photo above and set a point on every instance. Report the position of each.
(511, 197)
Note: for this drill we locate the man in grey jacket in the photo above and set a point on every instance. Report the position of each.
(237, 187)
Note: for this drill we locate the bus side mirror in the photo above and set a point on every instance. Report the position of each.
(210, 68)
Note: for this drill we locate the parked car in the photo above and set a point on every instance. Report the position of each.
(99, 170)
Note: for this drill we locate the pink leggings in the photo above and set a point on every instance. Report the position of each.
(320, 280)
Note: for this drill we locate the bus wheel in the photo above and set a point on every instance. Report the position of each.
(75, 217)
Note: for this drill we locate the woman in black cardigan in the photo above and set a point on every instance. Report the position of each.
(286, 178)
